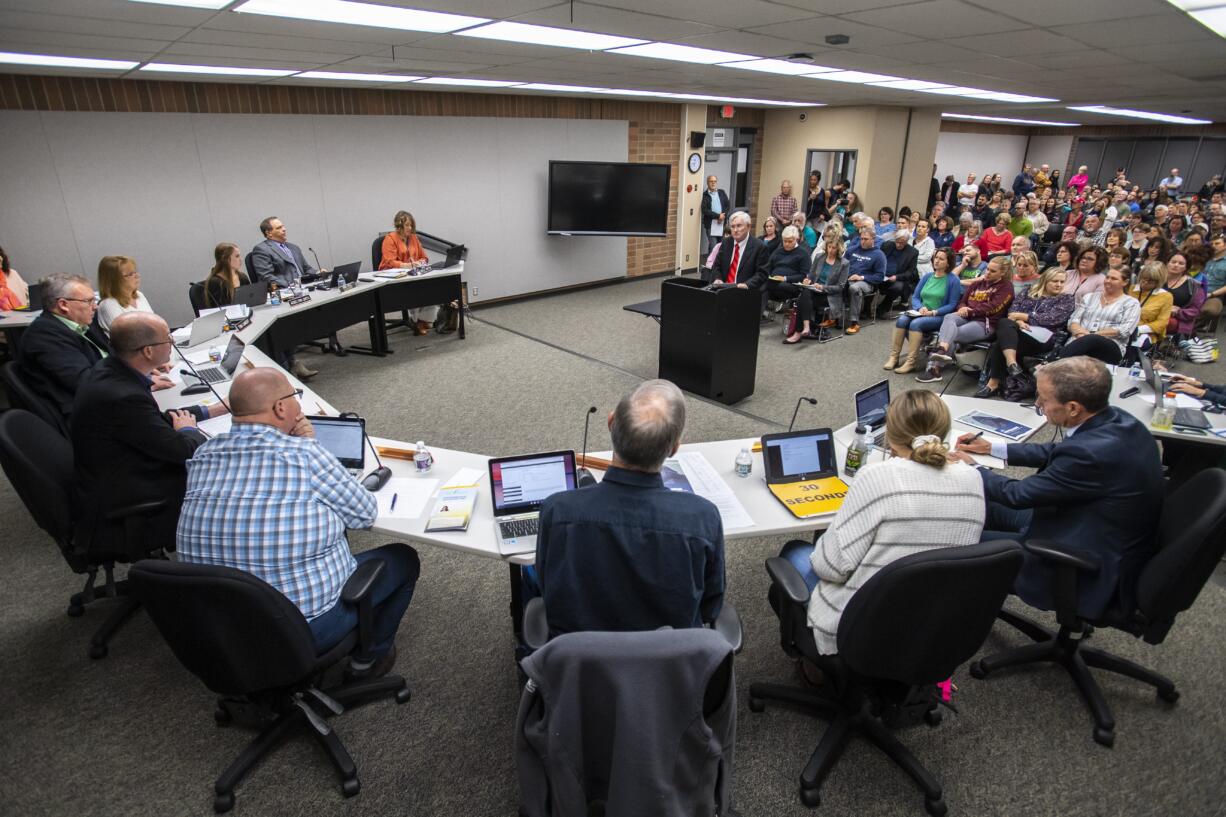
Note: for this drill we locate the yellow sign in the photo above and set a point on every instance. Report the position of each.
(805, 499)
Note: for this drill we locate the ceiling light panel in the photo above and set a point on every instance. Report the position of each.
(1214, 19)
(473, 83)
(1127, 112)
(50, 61)
(339, 75)
(788, 67)
(194, 4)
(862, 77)
(1001, 96)
(1008, 119)
(361, 14)
(910, 85)
(682, 53)
(546, 35)
(172, 68)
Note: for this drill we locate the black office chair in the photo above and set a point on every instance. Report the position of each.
(906, 629)
(376, 256)
(39, 465)
(22, 396)
(252, 646)
(1191, 541)
(195, 296)
(252, 276)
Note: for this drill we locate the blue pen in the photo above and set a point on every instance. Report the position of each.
(394, 498)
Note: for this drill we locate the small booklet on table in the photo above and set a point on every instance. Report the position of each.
(453, 509)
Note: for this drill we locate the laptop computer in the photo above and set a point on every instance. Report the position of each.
(871, 405)
(229, 363)
(343, 438)
(35, 300)
(1186, 417)
(520, 485)
(455, 255)
(205, 328)
(251, 295)
(348, 272)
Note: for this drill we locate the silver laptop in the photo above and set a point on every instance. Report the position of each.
(205, 328)
(229, 363)
(871, 405)
(520, 485)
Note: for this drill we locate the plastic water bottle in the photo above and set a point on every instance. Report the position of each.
(422, 458)
(744, 463)
(857, 452)
(1164, 415)
(1135, 374)
(274, 295)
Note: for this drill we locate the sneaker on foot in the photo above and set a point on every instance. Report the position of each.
(929, 376)
(942, 355)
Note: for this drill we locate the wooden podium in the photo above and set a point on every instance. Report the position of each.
(709, 338)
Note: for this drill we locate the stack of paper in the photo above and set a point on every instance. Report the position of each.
(707, 483)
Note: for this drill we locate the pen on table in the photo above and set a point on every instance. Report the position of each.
(394, 498)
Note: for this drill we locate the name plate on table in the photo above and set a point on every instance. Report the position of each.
(806, 499)
(346, 286)
(295, 300)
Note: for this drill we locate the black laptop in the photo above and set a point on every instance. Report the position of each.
(455, 254)
(252, 295)
(347, 273)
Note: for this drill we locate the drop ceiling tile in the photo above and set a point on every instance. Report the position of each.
(277, 26)
(730, 15)
(921, 52)
(815, 29)
(938, 18)
(1029, 43)
(743, 42)
(494, 9)
(21, 21)
(74, 45)
(1167, 29)
(1057, 13)
(411, 65)
(336, 44)
(115, 10)
(590, 17)
(520, 51)
(841, 6)
(1075, 60)
(226, 52)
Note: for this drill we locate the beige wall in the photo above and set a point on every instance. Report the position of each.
(689, 202)
(877, 134)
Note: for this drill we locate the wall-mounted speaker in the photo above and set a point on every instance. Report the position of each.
(698, 138)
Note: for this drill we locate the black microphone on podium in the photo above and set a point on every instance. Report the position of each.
(583, 476)
(808, 400)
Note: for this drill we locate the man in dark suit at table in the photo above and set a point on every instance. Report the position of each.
(1099, 490)
(743, 260)
(126, 451)
(275, 259)
(62, 343)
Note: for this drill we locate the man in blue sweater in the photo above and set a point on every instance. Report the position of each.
(865, 272)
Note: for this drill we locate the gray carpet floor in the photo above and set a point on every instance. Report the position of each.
(133, 734)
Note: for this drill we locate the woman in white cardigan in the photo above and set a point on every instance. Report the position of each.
(917, 500)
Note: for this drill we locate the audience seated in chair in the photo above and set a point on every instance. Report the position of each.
(936, 296)
(1102, 324)
(901, 268)
(1044, 305)
(865, 272)
(984, 302)
(828, 276)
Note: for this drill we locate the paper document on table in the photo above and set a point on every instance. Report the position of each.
(707, 483)
(464, 478)
(408, 494)
(1181, 401)
(215, 425)
(717, 228)
(1038, 333)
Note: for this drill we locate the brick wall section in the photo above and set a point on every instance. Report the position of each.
(656, 140)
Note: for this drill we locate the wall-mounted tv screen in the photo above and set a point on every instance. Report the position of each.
(608, 198)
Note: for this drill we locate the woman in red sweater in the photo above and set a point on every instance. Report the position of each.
(998, 240)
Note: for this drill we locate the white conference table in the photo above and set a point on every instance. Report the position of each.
(1141, 406)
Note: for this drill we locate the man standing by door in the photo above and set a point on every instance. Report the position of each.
(714, 214)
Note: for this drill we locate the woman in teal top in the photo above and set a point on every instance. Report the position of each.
(935, 296)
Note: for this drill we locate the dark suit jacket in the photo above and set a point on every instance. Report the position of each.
(949, 195)
(752, 267)
(1099, 491)
(708, 215)
(52, 358)
(905, 265)
(125, 452)
(268, 263)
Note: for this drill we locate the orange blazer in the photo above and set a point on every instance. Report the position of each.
(397, 252)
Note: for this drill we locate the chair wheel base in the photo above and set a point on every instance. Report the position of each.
(403, 696)
(1105, 737)
(977, 670)
(757, 705)
(351, 787)
(812, 798)
(1170, 696)
(75, 610)
(223, 802)
(937, 807)
(97, 651)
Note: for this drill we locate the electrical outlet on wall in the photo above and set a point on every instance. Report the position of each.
(476, 292)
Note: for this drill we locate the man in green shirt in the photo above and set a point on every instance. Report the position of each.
(1215, 282)
(1019, 224)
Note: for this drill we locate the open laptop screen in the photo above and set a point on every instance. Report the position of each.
(521, 484)
(343, 438)
(871, 404)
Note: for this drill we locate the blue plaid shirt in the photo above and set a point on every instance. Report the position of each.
(277, 507)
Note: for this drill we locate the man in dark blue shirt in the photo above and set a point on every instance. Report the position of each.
(866, 272)
(628, 553)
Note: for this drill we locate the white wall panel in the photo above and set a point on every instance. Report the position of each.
(34, 226)
(980, 153)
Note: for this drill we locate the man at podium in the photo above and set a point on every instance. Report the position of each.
(742, 260)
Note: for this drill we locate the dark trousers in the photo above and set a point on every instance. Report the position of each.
(1003, 522)
(809, 306)
(1095, 346)
(390, 597)
(782, 290)
(891, 291)
(1008, 336)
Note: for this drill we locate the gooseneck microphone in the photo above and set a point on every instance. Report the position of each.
(583, 476)
(377, 478)
(319, 268)
(808, 400)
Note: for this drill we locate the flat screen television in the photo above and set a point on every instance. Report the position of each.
(608, 198)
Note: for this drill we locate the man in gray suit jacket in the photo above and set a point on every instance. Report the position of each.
(275, 259)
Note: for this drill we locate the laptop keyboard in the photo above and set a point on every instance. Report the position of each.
(518, 528)
(212, 375)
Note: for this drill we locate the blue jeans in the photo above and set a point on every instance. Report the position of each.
(1003, 522)
(798, 554)
(928, 323)
(389, 598)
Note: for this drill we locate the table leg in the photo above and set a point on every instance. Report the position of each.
(459, 299)
(517, 603)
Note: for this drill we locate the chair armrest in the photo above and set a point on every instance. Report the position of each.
(790, 583)
(728, 624)
(358, 585)
(1067, 567)
(140, 509)
(535, 624)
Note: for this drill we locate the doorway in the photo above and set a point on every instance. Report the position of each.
(834, 165)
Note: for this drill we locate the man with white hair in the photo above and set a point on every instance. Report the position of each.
(742, 259)
(629, 553)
